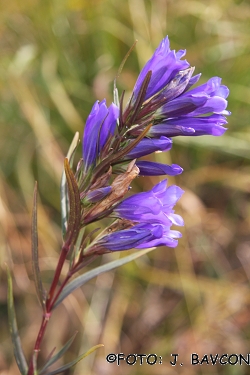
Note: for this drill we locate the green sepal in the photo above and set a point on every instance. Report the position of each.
(63, 187)
(121, 167)
(73, 363)
(41, 293)
(58, 355)
(18, 352)
(81, 280)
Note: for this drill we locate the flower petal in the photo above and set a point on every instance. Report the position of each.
(207, 125)
(149, 168)
(148, 146)
(91, 132)
(164, 64)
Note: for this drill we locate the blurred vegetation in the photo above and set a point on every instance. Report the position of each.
(57, 58)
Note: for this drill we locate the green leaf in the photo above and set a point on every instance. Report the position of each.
(63, 189)
(73, 363)
(116, 96)
(58, 355)
(81, 280)
(41, 293)
(18, 352)
(34, 361)
(75, 205)
(77, 248)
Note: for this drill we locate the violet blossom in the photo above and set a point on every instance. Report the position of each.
(151, 215)
(170, 102)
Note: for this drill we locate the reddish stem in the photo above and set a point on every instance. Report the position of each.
(57, 275)
(38, 342)
(49, 304)
(51, 299)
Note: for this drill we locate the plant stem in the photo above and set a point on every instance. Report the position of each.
(40, 335)
(49, 305)
(57, 275)
(52, 298)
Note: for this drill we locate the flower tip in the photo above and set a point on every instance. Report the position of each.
(176, 169)
(217, 131)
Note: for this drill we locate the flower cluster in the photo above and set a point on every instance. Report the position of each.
(152, 216)
(164, 104)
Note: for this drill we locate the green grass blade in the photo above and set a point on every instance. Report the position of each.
(73, 363)
(63, 188)
(18, 352)
(81, 280)
(59, 354)
(35, 260)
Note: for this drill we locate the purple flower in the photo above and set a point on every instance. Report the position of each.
(100, 123)
(154, 206)
(129, 238)
(165, 237)
(150, 168)
(200, 110)
(183, 125)
(164, 64)
(151, 214)
(148, 146)
(171, 104)
(141, 236)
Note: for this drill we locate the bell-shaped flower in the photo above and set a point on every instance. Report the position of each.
(141, 236)
(148, 146)
(171, 103)
(165, 65)
(151, 216)
(150, 168)
(100, 124)
(154, 206)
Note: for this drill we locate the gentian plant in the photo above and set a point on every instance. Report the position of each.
(164, 104)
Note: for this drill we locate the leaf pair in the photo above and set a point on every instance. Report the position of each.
(61, 352)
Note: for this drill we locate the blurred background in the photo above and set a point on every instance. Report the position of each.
(57, 58)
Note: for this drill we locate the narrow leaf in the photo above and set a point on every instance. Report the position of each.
(18, 352)
(63, 189)
(73, 363)
(81, 280)
(77, 248)
(75, 205)
(58, 355)
(116, 95)
(123, 62)
(34, 360)
(35, 260)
